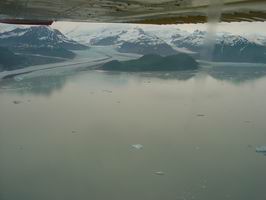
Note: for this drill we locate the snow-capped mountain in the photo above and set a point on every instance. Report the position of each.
(38, 36)
(226, 46)
(35, 45)
(107, 37)
(192, 41)
(87, 33)
(198, 39)
(166, 40)
(165, 32)
(257, 38)
(133, 40)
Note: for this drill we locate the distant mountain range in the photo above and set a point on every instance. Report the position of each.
(36, 45)
(167, 41)
(38, 36)
(154, 62)
(227, 47)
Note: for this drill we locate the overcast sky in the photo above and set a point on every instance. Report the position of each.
(236, 28)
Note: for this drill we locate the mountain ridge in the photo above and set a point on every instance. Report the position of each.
(35, 45)
(227, 47)
(153, 62)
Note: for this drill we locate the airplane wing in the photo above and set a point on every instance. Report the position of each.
(128, 11)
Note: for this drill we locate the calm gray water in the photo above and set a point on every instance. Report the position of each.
(70, 136)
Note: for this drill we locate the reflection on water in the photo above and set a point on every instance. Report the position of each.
(237, 75)
(74, 136)
(46, 84)
(35, 85)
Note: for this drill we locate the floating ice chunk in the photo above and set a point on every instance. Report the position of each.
(197, 148)
(75, 132)
(200, 115)
(137, 146)
(107, 91)
(204, 187)
(159, 173)
(261, 149)
(16, 102)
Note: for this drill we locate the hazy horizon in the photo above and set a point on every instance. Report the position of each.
(240, 28)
